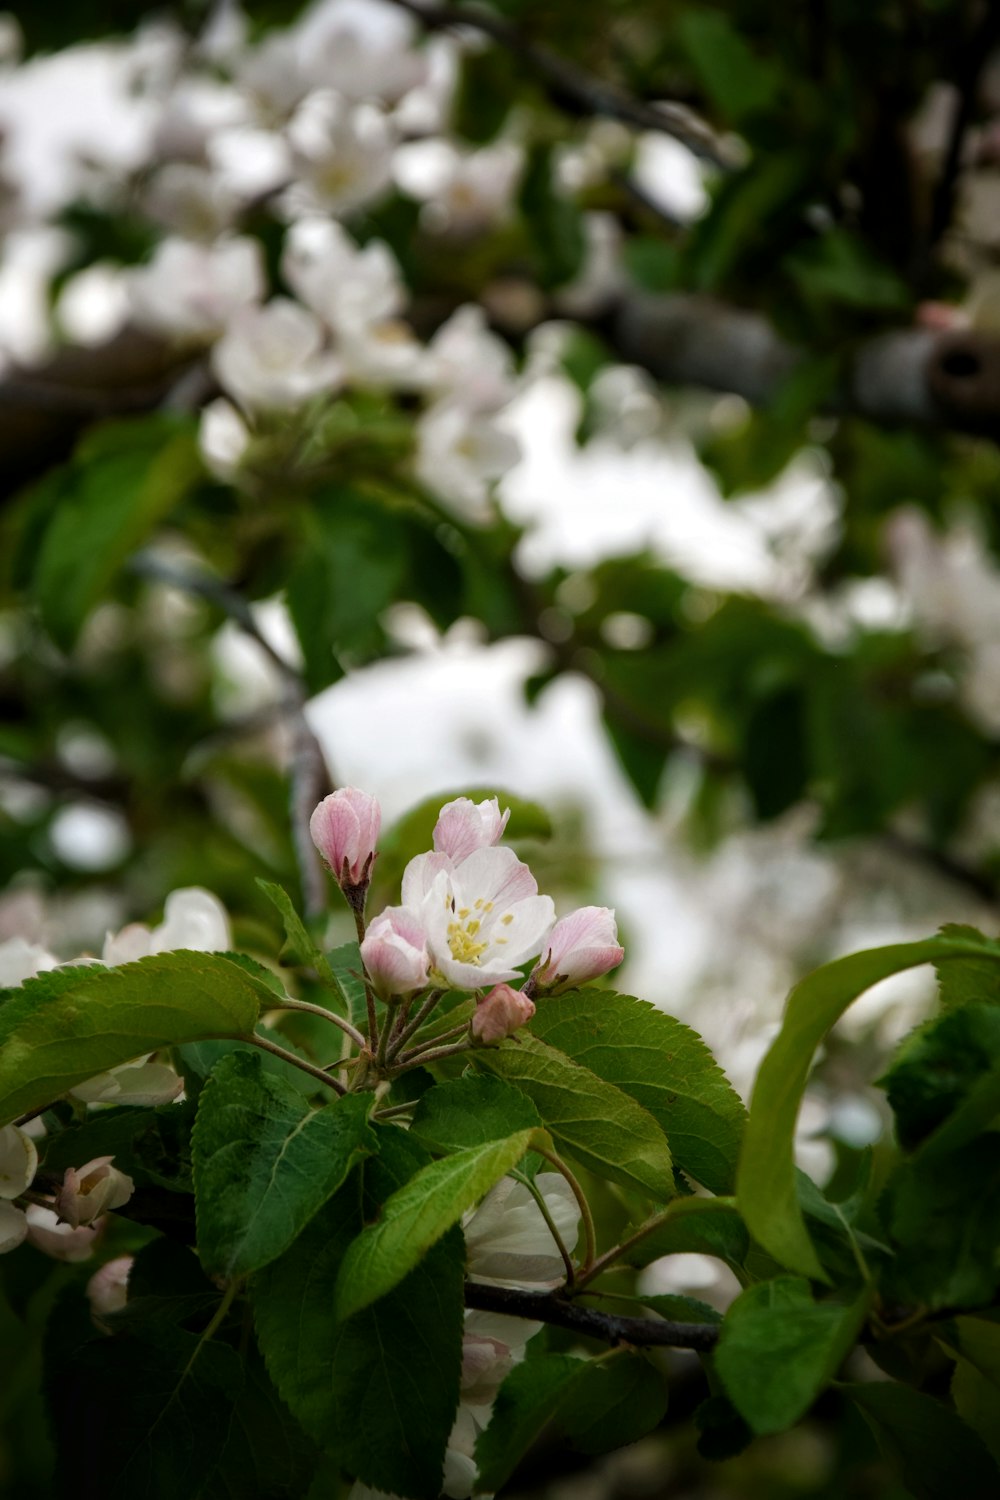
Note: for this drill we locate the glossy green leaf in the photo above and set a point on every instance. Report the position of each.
(379, 1391)
(929, 1444)
(700, 1226)
(415, 1218)
(68, 1025)
(594, 1121)
(470, 1111)
(662, 1064)
(614, 1401)
(527, 1401)
(265, 1161)
(778, 1349)
(766, 1184)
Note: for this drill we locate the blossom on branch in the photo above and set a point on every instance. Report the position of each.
(581, 947)
(92, 1190)
(500, 1013)
(395, 952)
(464, 826)
(345, 829)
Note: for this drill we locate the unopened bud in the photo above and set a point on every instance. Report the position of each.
(581, 947)
(345, 829)
(500, 1013)
(395, 952)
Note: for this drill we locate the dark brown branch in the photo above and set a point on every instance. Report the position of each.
(549, 1307)
(911, 377)
(573, 89)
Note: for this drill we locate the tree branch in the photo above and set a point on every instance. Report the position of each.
(574, 90)
(549, 1307)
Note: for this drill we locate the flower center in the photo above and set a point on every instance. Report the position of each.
(463, 934)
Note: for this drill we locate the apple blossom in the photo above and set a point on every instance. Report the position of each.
(508, 1242)
(223, 438)
(348, 286)
(395, 952)
(345, 829)
(18, 1161)
(460, 453)
(464, 826)
(141, 1082)
(483, 917)
(362, 48)
(21, 960)
(342, 155)
(92, 1190)
(189, 290)
(272, 358)
(581, 947)
(50, 1235)
(13, 1227)
(500, 1013)
(469, 364)
(192, 918)
(107, 1289)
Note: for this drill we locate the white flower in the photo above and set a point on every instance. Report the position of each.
(384, 356)
(18, 1162)
(345, 285)
(507, 1241)
(272, 358)
(460, 454)
(192, 918)
(190, 201)
(20, 960)
(482, 918)
(466, 192)
(188, 290)
(362, 48)
(107, 1289)
(141, 1082)
(395, 952)
(581, 947)
(88, 1192)
(48, 1234)
(223, 438)
(342, 155)
(469, 364)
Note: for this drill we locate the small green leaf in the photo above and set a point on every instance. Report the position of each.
(265, 1162)
(415, 1218)
(766, 1183)
(64, 1027)
(738, 83)
(967, 981)
(929, 1444)
(662, 1064)
(124, 478)
(470, 1111)
(381, 1390)
(302, 948)
(527, 1401)
(615, 1401)
(778, 1349)
(604, 1128)
(702, 1226)
(937, 1066)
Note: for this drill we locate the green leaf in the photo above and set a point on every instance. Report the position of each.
(68, 1025)
(265, 1162)
(942, 1214)
(594, 1121)
(470, 1111)
(267, 1455)
(527, 1401)
(553, 220)
(302, 949)
(929, 1443)
(938, 1065)
(766, 1183)
(700, 1226)
(662, 1064)
(172, 1396)
(967, 981)
(737, 82)
(778, 1349)
(415, 1218)
(124, 478)
(680, 1309)
(380, 1390)
(614, 1401)
(977, 1401)
(346, 967)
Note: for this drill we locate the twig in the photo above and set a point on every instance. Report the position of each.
(432, 1054)
(296, 1062)
(415, 1053)
(398, 1042)
(573, 89)
(328, 1015)
(549, 1307)
(589, 1234)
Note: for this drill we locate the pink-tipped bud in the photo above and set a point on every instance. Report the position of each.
(90, 1191)
(395, 952)
(61, 1241)
(500, 1013)
(345, 829)
(107, 1289)
(581, 947)
(463, 826)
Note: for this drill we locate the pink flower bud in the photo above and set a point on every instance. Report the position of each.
(90, 1191)
(345, 829)
(59, 1240)
(395, 952)
(463, 826)
(500, 1014)
(107, 1289)
(581, 947)
(486, 1363)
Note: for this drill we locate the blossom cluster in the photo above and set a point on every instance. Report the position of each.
(471, 917)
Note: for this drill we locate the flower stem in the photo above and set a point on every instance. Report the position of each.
(415, 1053)
(589, 1235)
(400, 1041)
(543, 1209)
(328, 1015)
(296, 1062)
(431, 1054)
